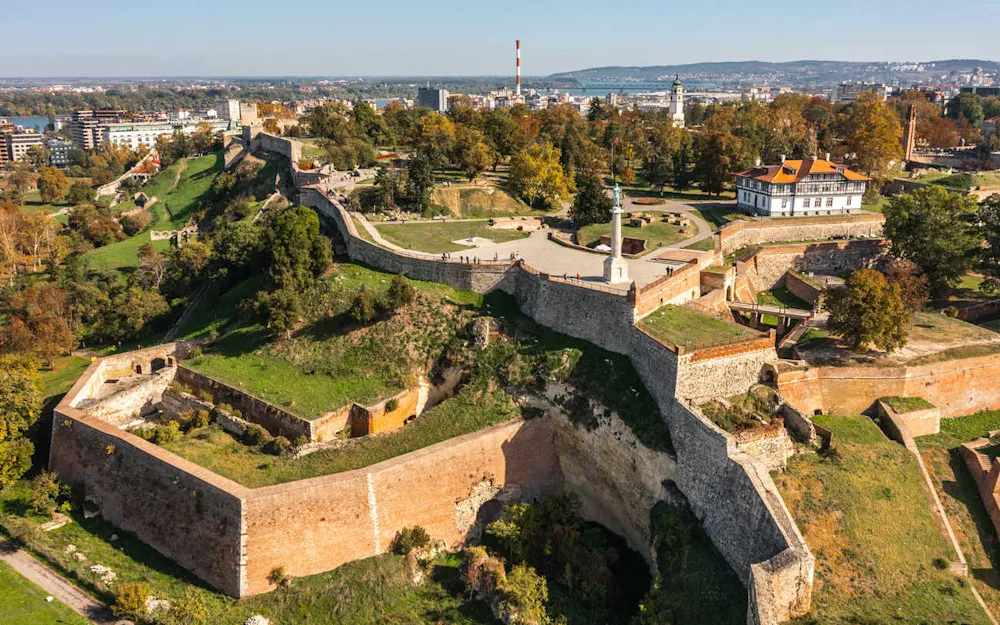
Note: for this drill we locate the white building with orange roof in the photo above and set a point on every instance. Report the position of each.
(800, 188)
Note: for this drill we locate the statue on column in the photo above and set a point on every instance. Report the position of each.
(615, 267)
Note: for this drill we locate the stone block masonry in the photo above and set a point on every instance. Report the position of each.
(740, 234)
(768, 266)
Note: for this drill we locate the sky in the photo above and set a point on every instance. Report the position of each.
(104, 38)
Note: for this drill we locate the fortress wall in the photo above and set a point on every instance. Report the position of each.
(187, 513)
(133, 402)
(839, 258)
(682, 286)
(722, 371)
(317, 524)
(802, 289)
(958, 387)
(289, 148)
(275, 420)
(739, 234)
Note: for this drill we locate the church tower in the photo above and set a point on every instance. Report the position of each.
(677, 103)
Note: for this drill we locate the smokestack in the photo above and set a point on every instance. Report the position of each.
(518, 88)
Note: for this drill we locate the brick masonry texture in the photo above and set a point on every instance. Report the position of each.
(739, 234)
(839, 258)
(957, 387)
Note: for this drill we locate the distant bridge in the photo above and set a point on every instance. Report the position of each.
(784, 315)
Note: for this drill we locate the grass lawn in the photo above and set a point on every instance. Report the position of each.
(705, 245)
(868, 569)
(968, 292)
(656, 234)
(219, 452)
(693, 194)
(311, 149)
(172, 209)
(476, 202)
(61, 377)
(366, 592)
(878, 206)
(436, 238)
(686, 327)
(23, 603)
(902, 405)
(961, 181)
(961, 500)
(780, 297)
(719, 216)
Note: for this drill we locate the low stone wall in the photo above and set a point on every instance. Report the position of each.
(347, 516)
(682, 286)
(957, 387)
(914, 423)
(976, 312)
(724, 370)
(986, 473)
(275, 420)
(739, 234)
(803, 289)
(134, 402)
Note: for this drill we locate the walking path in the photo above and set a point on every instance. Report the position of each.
(42, 576)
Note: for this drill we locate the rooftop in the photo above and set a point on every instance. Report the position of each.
(795, 171)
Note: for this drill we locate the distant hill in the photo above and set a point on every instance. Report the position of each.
(792, 72)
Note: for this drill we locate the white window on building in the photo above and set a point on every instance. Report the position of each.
(848, 200)
(784, 203)
(819, 202)
(829, 202)
(805, 203)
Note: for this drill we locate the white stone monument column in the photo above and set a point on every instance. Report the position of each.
(615, 267)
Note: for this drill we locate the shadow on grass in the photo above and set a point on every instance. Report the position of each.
(964, 491)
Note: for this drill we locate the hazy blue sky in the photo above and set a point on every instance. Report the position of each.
(433, 37)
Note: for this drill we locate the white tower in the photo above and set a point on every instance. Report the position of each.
(677, 103)
(615, 267)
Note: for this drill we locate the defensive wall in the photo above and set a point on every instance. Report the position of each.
(739, 234)
(957, 387)
(986, 472)
(767, 266)
(809, 291)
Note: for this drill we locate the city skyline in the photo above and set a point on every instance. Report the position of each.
(447, 38)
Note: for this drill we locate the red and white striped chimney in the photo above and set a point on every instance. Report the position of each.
(518, 90)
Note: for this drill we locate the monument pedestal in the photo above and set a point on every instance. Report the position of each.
(615, 269)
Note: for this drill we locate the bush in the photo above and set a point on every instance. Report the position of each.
(363, 309)
(201, 419)
(166, 433)
(524, 595)
(189, 609)
(401, 293)
(482, 574)
(391, 405)
(301, 440)
(44, 493)
(130, 600)
(277, 446)
(255, 434)
(410, 538)
(134, 224)
(205, 396)
(195, 352)
(279, 577)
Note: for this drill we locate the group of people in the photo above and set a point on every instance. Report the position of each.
(474, 260)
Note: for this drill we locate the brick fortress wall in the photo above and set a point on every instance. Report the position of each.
(740, 234)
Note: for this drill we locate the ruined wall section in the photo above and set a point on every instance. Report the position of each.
(185, 512)
(347, 516)
(769, 265)
(723, 371)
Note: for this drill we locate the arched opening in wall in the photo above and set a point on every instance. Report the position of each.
(729, 293)
(156, 364)
(408, 420)
(138, 369)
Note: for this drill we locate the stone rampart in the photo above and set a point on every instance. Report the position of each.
(723, 371)
(739, 234)
(289, 148)
(986, 473)
(975, 312)
(133, 402)
(803, 289)
(957, 387)
(343, 517)
(768, 266)
(185, 512)
(683, 285)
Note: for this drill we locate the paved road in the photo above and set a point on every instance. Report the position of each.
(39, 574)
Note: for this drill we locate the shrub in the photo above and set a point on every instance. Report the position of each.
(44, 493)
(279, 577)
(410, 538)
(391, 405)
(180, 389)
(255, 434)
(130, 600)
(205, 396)
(300, 440)
(166, 433)
(277, 446)
(201, 419)
(524, 595)
(195, 352)
(134, 224)
(189, 609)
(401, 293)
(482, 574)
(363, 309)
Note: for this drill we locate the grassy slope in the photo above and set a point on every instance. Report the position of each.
(437, 238)
(683, 326)
(868, 521)
(171, 210)
(719, 217)
(961, 500)
(23, 603)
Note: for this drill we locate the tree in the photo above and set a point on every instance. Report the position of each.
(400, 293)
(39, 323)
(20, 181)
(435, 135)
(938, 231)
(280, 310)
(914, 287)
(152, 266)
(202, 138)
(501, 130)
(874, 136)
(419, 181)
(869, 310)
(682, 174)
(271, 126)
(470, 152)
(11, 221)
(538, 176)
(364, 308)
(989, 217)
(295, 256)
(525, 593)
(44, 493)
(52, 185)
(591, 204)
(20, 405)
(718, 158)
(79, 193)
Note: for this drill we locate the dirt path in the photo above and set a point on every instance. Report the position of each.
(42, 576)
(177, 178)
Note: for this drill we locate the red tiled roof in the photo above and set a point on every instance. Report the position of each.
(794, 171)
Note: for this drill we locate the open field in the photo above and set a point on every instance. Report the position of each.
(686, 327)
(23, 603)
(968, 292)
(779, 297)
(868, 569)
(961, 500)
(656, 234)
(436, 238)
(670, 193)
(720, 215)
(962, 181)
